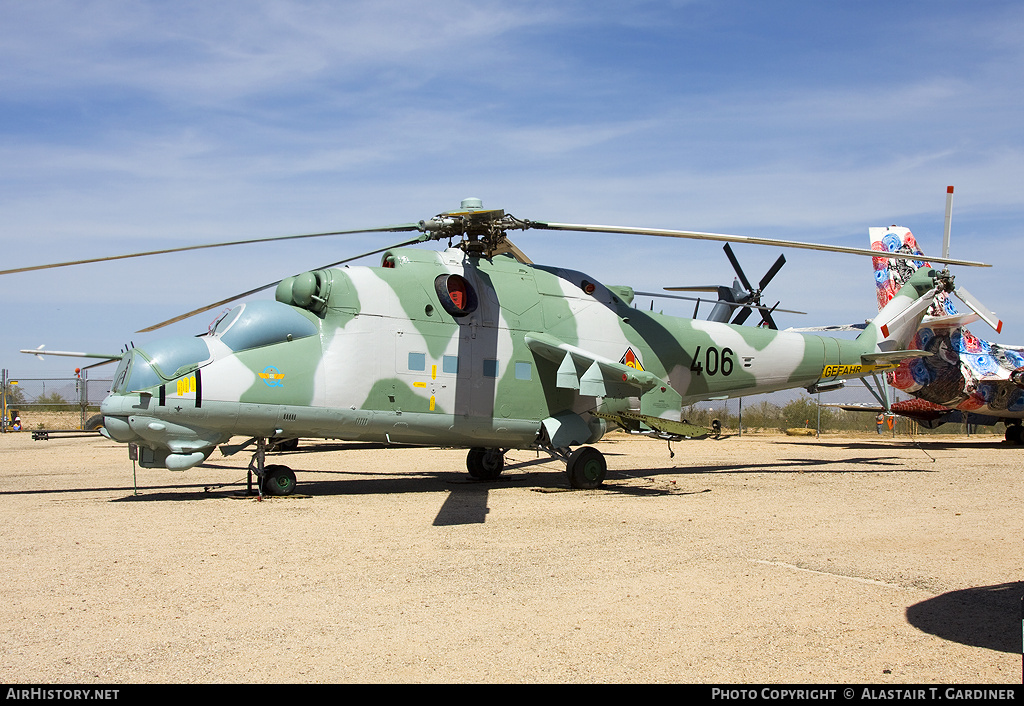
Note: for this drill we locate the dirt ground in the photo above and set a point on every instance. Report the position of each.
(757, 559)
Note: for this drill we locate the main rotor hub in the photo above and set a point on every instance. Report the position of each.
(482, 231)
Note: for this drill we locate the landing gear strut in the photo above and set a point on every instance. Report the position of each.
(273, 479)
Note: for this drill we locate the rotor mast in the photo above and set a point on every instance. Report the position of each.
(482, 231)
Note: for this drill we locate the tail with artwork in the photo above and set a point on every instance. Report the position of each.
(963, 371)
(891, 273)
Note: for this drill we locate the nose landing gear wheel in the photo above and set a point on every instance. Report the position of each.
(586, 468)
(279, 480)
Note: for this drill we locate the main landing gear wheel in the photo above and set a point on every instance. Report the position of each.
(279, 480)
(586, 468)
(1013, 434)
(485, 464)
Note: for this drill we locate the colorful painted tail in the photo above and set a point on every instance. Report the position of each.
(891, 274)
(964, 371)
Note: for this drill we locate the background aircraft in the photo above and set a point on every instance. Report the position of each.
(965, 379)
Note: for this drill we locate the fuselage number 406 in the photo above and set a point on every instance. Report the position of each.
(713, 361)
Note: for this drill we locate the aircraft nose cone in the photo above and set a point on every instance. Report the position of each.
(118, 429)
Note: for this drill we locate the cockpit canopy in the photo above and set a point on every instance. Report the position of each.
(261, 323)
(247, 326)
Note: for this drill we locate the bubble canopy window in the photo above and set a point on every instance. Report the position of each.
(247, 326)
(262, 323)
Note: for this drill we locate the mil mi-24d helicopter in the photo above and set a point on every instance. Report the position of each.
(474, 346)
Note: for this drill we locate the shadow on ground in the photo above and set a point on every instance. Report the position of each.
(987, 616)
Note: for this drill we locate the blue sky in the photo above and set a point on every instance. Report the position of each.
(129, 126)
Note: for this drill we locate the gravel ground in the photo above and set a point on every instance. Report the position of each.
(757, 559)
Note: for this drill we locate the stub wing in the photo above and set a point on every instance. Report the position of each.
(597, 376)
(591, 374)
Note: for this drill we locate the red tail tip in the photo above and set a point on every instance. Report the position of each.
(949, 189)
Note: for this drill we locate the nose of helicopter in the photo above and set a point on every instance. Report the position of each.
(133, 412)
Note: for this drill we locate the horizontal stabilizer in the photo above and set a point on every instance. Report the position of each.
(892, 357)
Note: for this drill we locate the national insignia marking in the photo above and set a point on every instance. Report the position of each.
(272, 376)
(629, 358)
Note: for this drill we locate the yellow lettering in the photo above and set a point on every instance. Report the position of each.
(186, 385)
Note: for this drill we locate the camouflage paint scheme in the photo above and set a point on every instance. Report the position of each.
(964, 373)
(448, 348)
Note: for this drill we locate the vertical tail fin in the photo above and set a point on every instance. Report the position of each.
(896, 325)
(891, 274)
(961, 360)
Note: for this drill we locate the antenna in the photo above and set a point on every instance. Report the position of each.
(949, 216)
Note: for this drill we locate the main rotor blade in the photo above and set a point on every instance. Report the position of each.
(222, 302)
(695, 235)
(736, 266)
(385, 229)
(695, 288)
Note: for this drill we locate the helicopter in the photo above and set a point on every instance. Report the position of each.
(473, 346)
(965, 379)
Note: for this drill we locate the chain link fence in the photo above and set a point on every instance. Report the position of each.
(49, 402)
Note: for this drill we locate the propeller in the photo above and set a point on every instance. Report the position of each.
(741, 295)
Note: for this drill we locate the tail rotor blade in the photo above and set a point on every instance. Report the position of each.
(949, 218)
(986, 314)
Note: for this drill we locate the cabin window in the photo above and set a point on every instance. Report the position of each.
(417, 361)
(450, 364)
(524, 371)
(490, 368)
